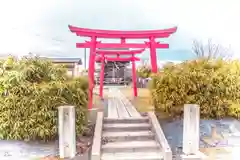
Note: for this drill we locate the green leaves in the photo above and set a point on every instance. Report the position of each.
(210, 83)
(144, 71)
(31, 91)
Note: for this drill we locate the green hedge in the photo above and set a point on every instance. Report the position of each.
(144, 71)
(213, 84)
(31, 90)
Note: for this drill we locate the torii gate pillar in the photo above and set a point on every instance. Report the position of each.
(153, 55)
(134, 79)
(101, 77)
(91, 70)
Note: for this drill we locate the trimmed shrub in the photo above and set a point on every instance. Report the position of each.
(213, 84)
(144, 71)
(31, 90)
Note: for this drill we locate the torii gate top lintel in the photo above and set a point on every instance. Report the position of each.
(164, 33)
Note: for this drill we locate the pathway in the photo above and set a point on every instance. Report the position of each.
(125, 135)
(119, 106)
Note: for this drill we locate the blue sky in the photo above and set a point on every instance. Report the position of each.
(41, 26)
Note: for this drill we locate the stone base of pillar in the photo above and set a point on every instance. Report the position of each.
(198, 156)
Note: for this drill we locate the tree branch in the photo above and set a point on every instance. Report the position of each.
(210, 50)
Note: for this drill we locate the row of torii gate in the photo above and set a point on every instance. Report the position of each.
(97, 53)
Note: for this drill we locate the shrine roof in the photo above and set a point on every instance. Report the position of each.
(85, 32)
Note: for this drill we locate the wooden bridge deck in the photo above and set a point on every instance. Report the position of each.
(119, 106)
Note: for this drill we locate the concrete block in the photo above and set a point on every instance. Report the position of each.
(67, 131)
(131, 146)
(191, 129)
(121, 127)
(133, 156)
(129, 136)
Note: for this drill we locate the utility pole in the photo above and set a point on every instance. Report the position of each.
(85, 58)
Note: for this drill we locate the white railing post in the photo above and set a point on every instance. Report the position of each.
(191, 129)
(66, 131)
(191, 133)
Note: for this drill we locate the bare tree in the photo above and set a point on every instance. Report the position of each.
(211, 50)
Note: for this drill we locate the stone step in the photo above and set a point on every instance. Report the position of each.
(131, 146)
(126, 127)
(133, 156)
(128, 136)
(126, 120)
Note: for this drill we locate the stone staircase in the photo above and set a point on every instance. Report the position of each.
(129, 139)
(123, 134)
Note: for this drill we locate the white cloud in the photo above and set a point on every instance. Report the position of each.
(28, 25)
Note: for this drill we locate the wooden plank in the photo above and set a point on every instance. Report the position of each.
(115, 105)
(109, 93)
(129, 107)
(109, 107)
(122, 112)
(132, 111)
(112, 110)
(119, 106)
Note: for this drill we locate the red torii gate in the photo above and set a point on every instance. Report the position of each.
(123, 35)
(102, 58)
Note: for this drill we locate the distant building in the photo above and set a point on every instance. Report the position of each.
(74, 65)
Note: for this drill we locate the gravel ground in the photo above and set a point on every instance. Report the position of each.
(12, 150)
(229, 129)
